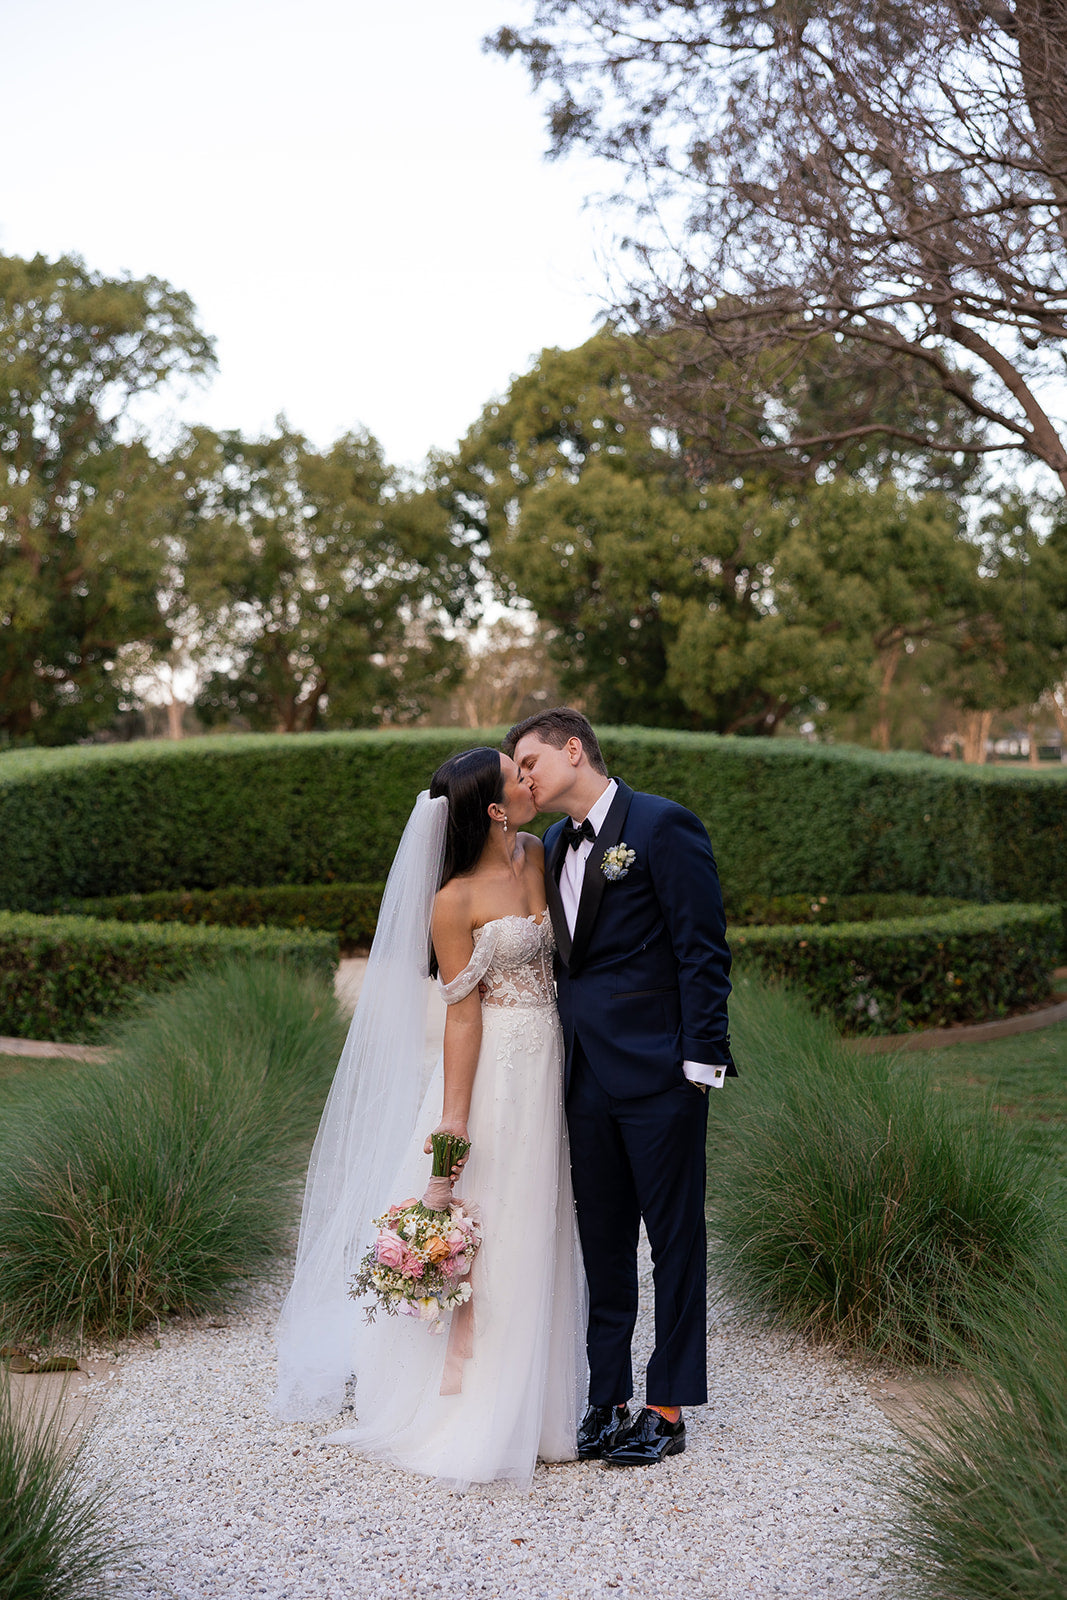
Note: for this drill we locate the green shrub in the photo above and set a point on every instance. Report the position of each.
(850, 1204)
(71, 978)
(784, 816)
(772, 911)
(915, 972)
(54, 1540)
(348, 909)
(145, 1185)
(985, 1483)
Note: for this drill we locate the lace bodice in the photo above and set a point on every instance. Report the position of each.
(513, 960)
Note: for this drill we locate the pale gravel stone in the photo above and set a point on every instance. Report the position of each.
(781, 1492)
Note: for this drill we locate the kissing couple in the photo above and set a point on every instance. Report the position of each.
(586, 980)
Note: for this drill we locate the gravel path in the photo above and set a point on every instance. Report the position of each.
(777, 1493)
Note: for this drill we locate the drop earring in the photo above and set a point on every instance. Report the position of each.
(505, 822)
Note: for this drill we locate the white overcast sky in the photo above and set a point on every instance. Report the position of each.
(353, 194)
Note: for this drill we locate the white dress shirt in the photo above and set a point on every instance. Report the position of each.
(571, 878)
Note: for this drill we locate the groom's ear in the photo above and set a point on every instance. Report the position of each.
(575, 751)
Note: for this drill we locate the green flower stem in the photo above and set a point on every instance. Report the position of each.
(448, 1148)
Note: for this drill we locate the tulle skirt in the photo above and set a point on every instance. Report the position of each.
(525, 1381)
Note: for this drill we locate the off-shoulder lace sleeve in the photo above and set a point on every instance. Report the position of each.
(476, 968)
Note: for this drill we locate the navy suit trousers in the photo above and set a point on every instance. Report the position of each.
(639, 1158)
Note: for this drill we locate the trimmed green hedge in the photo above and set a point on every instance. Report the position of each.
(914, 972)
(349, 910)
(69, 977)
(771, 911)
(785, 817)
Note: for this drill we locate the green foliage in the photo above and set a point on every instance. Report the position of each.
(81, 527)
(767, 911)
(147, 1184)
(915, 972)
(985, 1478)
(784, 817)
(319, 582)
(71, 978)
(349, 910)
(672, 599)
(1015, 649)
(850, 1204)
(55, 1543)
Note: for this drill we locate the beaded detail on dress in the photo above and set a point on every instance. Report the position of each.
(512, 960)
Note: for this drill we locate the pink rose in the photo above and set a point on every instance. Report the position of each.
(411, 1266)
(389, 1250)
(456, 1241)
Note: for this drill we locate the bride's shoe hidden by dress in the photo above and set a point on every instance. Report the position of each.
(599, 1429)
(649, 1438)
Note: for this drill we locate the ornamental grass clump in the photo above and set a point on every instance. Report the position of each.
(852, 1203)
(145, 1185)
(985, 1480)
(55, 1543)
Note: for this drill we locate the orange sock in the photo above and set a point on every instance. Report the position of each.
(671, 1413)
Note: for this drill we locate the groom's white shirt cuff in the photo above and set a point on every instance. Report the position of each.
(570, 889)
(705, 1076)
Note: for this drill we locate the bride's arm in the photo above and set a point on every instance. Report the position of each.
(454, 944)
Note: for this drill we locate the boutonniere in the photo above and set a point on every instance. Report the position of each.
(617, 861)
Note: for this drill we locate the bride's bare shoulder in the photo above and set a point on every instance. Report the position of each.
(452, 902)
(533, 846)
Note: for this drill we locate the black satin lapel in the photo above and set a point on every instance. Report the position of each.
(553, 867)
(594, 882)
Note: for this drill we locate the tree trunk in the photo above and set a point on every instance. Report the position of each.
(175, 712)
(1058, 702)
(890, 662)
(976, 726)
(1031, 741)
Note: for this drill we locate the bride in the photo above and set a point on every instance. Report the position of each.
(499, 1083)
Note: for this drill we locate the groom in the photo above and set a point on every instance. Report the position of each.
(643, 977)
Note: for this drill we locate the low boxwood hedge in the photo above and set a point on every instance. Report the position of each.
(784, 816)
(767, 911)
(68, 978)
(914, 972)
(350, 910)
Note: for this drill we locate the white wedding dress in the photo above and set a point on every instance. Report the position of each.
(525, 1381)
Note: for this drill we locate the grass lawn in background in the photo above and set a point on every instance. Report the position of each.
(1024, 1078)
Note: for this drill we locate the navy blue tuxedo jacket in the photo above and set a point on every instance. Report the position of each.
(644, 982)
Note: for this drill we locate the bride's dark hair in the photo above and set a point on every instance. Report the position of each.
(471, 782)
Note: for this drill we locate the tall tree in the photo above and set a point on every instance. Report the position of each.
(81, 510)
(893, 175)
(322, 590)
(678, 602)
(1012, 650)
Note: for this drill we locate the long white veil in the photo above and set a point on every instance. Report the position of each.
(366, 1127)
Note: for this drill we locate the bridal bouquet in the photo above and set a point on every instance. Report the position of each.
(420, 1260)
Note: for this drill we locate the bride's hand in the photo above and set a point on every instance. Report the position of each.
(459, 1129)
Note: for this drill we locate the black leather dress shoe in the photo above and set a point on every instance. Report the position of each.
(599, 1429)
(649, 1438)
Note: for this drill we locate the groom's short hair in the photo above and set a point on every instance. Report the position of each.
(555, 727)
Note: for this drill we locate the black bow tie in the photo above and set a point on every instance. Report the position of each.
(573, 836)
